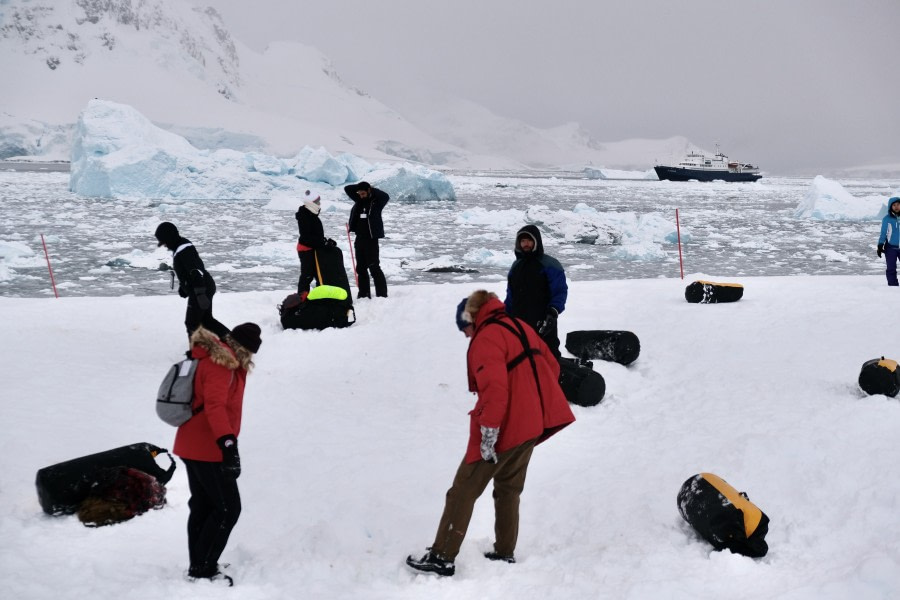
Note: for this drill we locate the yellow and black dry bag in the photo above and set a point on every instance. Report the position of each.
(880, 376)
(708, 292)
(723, 516)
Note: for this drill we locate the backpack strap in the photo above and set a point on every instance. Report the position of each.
(528, 353)
(180, 248)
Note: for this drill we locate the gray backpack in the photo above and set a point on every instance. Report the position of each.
(174, 401)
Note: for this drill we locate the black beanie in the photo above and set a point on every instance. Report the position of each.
(166, 234)
(248, 336)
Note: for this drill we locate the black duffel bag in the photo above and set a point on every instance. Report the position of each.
(62, 487)
(622, 347)
(708, 292)
(581, 384)
(723, 516)
(880, 376)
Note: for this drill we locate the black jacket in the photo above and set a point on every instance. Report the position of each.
(312, 233)
(192, 275)
(365, 216)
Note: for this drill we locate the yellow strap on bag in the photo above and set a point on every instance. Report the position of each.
(735, 285)
(330, 292)
(887, 363)
(752, 514)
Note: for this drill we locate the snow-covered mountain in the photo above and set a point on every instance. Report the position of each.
(181, 68)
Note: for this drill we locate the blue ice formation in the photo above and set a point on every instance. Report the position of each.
(827, 200)
(119, 153)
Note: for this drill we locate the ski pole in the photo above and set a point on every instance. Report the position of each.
(352, 258)
(678, 229)
(49, 268)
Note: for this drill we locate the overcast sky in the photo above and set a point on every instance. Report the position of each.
(788, 84)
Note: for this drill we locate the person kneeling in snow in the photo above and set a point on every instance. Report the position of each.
(520, 404)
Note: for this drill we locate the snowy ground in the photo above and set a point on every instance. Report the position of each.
(351, 438)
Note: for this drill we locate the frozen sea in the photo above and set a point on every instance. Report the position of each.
(598, 229)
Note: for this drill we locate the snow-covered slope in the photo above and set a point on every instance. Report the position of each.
(181, 68)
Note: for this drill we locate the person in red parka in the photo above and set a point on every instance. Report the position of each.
(207, 443)
(520, 404)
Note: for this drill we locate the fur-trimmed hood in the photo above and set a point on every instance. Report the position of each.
(204, 343)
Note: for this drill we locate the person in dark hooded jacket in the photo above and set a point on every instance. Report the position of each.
(365, 221)
(194, 282)
(536, 288)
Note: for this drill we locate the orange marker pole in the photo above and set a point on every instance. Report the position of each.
(49, 268)
(352, 258)
(680, 258)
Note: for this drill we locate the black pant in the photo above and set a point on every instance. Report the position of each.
(551, 337)
(367, 261)
(308, 270)
(215, 507)
(196, 316)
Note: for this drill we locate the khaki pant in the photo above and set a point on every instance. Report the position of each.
(468, 485)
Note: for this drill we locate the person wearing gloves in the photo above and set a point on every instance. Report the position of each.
(519, 405)
(208, 444)
(194, 282)
(889, 239)
(365, 221)
(312, 238)
(536, 289)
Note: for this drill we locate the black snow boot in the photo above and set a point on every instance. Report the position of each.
(494, 556)
(432, 563)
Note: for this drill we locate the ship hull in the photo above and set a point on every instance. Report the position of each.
(682, 174)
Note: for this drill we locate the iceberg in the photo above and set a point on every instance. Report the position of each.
(829, 201)
(119, 153)
(412, 183)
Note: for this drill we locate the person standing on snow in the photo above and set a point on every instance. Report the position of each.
(208, 444)
(889, 239)
(520, 404)
(312, 237)
(536, 289)
(365, 221)
(194, 282)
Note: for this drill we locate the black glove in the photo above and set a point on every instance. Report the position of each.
(880, 250)
(231, 460)
(203, 302)
(330, 243)
(182, 291)
(549, 321)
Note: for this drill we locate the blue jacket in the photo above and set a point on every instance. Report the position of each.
(535, 282)
(890, 226)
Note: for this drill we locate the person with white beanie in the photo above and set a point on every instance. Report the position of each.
(312, 237)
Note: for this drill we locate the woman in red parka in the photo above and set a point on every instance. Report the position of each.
(520, 404)
(207, 443)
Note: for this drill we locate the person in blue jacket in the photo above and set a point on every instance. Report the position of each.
(365, 221)
(536, 288)
(889, 240)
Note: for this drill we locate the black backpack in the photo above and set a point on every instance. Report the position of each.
(320, 313)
